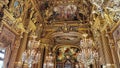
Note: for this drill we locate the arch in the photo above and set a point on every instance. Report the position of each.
(65, 55)
(61, 45)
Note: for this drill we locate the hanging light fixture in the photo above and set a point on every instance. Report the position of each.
(87, 54)
(49, 61)
(32, 55)
(85, 43)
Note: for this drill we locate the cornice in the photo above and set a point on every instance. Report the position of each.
(115, 26)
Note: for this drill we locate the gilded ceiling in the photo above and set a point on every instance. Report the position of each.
(50, 17)
(71, 10)
(61, 26)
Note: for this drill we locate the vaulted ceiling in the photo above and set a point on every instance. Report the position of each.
(64, 22)
(66, 19)
(59, 20)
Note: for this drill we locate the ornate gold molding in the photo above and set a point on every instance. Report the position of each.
(14, 31)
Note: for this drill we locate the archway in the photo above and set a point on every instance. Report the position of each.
(66, 56)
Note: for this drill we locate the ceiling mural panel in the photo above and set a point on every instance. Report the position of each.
(60, 16)
(64, 10)
(18, 8)
(64, 53)
(69, 38)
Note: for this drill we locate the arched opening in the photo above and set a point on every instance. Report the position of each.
(66, 56)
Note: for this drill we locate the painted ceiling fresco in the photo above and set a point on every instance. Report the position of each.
(64, 53)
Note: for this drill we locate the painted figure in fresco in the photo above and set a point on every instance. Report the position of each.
(65, 12)
(66, 56)
(60, 55)
(67, 53)
(18, 8)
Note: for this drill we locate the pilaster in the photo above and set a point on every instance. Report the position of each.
(14, 52)
(107, 51)
(21, 48)
(114, 53)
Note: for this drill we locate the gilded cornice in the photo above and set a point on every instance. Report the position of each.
(115, 26)
(13, 30)
(8, 14)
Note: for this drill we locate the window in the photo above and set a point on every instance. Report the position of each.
(2, 52)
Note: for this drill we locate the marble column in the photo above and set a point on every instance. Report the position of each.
(107, 51)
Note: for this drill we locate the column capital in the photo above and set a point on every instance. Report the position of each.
(111, 42)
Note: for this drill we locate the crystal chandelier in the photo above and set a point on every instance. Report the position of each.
(32, 55)
(87, 54)
(85, 43)
(49, 61)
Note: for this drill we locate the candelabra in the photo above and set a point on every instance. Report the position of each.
(32, 55)
(49, 61)
(87, 54)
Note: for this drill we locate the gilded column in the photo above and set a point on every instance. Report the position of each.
(22, 47)
(115, 56)
(101, 59)
(46, 43)
(41, 62)
(114, 53)
(107, 52)
(45, 54)
(14, 53)
(25, 20)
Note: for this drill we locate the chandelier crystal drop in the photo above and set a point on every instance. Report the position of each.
(88, 53)
(31, 55)
(86, 42)
(49, 61)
